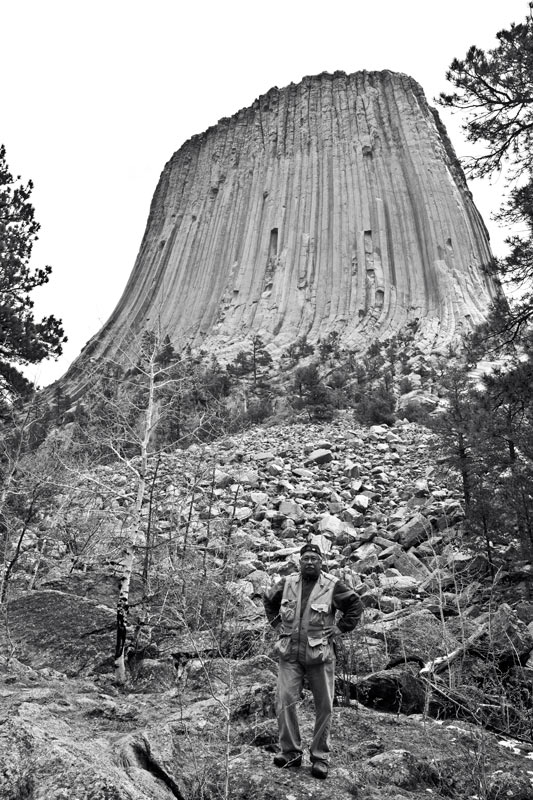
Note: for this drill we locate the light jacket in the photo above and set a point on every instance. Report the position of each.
(307, 637)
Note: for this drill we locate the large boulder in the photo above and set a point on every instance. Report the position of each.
(412, 634)
(414, 531)
(97, 585)
(62, 631)
(507, 636)
(395, 690)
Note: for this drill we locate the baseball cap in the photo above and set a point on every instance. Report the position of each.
(310, 548)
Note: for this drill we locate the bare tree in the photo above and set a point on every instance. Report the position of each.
(28, 480)
(125, 414)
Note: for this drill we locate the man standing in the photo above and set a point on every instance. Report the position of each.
(302, 609)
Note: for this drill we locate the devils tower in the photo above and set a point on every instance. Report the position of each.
(334, 204)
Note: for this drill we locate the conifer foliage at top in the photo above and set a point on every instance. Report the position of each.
(494, 91)
(23, 339)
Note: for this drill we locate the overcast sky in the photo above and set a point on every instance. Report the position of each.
(97, 96)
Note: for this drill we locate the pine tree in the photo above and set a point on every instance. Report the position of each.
(494, 89)
(23, 340)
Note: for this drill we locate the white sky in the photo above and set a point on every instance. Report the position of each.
(97, 96)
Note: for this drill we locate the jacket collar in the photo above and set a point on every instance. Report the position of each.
(319, 581)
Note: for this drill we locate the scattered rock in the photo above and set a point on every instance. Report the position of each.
(405, 769)
(319, 456)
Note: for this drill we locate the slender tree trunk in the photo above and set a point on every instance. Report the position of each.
(131, 545)
(123, 613)
(488, 545)
(9, 566)
(142, 616)
(201, 607)
(227, 748)
(5, 490)
(148, 551)
(523, 519)
(465, 474)
(40, 552)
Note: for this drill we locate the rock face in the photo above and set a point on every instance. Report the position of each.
(334, 204)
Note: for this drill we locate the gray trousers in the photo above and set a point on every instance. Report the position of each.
(321, 678)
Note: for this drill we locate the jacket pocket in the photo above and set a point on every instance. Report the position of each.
(283, 646)
(318, 650)
(287, 610)
(317, 614)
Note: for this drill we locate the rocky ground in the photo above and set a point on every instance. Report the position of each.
(434, 687)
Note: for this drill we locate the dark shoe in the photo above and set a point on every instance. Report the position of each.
(319, 770)
(287, 762)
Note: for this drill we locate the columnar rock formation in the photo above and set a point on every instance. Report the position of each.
(337, 203)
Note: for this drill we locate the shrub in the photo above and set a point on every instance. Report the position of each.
(258, 410)
(376, 409)
(405, 385)
(298, 349)
(415, 412)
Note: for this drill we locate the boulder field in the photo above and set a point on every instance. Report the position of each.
(434, 687)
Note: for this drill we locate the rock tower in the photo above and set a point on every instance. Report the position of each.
(334, 204)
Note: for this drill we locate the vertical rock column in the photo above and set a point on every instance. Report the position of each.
(334, 204)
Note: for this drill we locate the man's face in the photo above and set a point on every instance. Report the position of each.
(310, 565)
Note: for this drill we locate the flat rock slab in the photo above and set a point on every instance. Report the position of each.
(320, 456)
(62, 631)
(101, 587)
